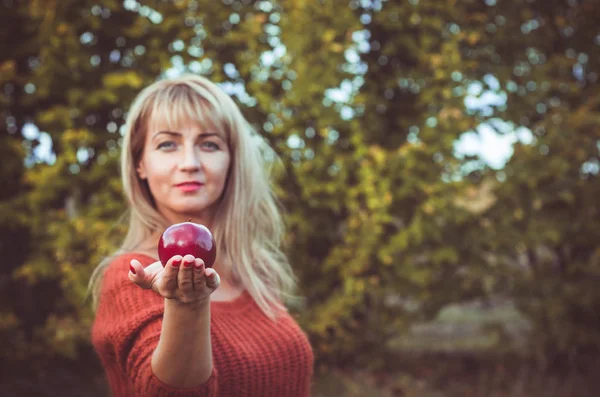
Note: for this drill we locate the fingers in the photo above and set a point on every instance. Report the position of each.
(212, 278)
(205, 277)
(185, 275)
(198, 273)
(183, 278)
(154, 276)
(137, 274)
(169, 279)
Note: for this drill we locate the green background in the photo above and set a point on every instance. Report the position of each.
(426, 271)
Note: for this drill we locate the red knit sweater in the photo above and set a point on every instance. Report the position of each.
(252, 355)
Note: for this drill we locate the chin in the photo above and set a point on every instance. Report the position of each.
(191, 210)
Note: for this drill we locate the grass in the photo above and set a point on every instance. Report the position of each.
(469, 350)
(470, 328)
(453, 376)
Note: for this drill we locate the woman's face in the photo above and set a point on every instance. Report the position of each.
(186, 170)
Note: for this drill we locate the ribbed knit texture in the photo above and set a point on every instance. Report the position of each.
(252, 355)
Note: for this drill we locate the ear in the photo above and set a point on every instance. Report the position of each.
(141, 171)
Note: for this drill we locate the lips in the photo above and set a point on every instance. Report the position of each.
(189, 187)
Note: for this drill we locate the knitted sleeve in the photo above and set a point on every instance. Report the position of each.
(131, 322)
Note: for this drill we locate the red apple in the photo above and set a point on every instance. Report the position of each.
(187, 238)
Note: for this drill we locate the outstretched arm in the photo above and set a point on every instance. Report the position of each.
(183, 356)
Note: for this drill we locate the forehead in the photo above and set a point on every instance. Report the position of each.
(182, 111)
(158, 122)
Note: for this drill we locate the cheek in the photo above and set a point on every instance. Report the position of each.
(218, 168)
(224, 171)
(226, 165)
(156, 173)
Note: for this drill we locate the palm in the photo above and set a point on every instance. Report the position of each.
(152, 274)
(187, 281)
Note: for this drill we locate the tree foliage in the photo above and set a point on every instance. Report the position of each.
(544, 58)
(363, 102)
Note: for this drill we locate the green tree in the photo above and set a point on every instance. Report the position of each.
(543, 58)
(380, 249)
(363, 102)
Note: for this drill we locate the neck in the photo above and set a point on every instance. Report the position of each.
(203, 218)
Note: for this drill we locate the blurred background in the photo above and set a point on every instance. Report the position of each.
(438, 161)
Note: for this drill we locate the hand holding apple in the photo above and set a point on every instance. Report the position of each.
(183, 279)
(184, 272)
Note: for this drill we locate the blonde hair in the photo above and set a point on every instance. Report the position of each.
(247, 226)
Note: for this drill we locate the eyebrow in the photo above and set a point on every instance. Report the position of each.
(173, 133)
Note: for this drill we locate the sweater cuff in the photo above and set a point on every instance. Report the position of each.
(160, 389)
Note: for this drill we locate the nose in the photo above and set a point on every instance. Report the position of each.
(191, 161)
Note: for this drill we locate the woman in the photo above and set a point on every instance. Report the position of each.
(188, 330)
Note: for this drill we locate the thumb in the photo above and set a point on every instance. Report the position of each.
(137, 274)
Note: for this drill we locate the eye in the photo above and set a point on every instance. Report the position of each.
(166, 145)
(210, 145)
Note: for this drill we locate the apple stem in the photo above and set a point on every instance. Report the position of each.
(190, 220)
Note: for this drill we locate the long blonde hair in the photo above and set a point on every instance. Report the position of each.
(247, 226)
